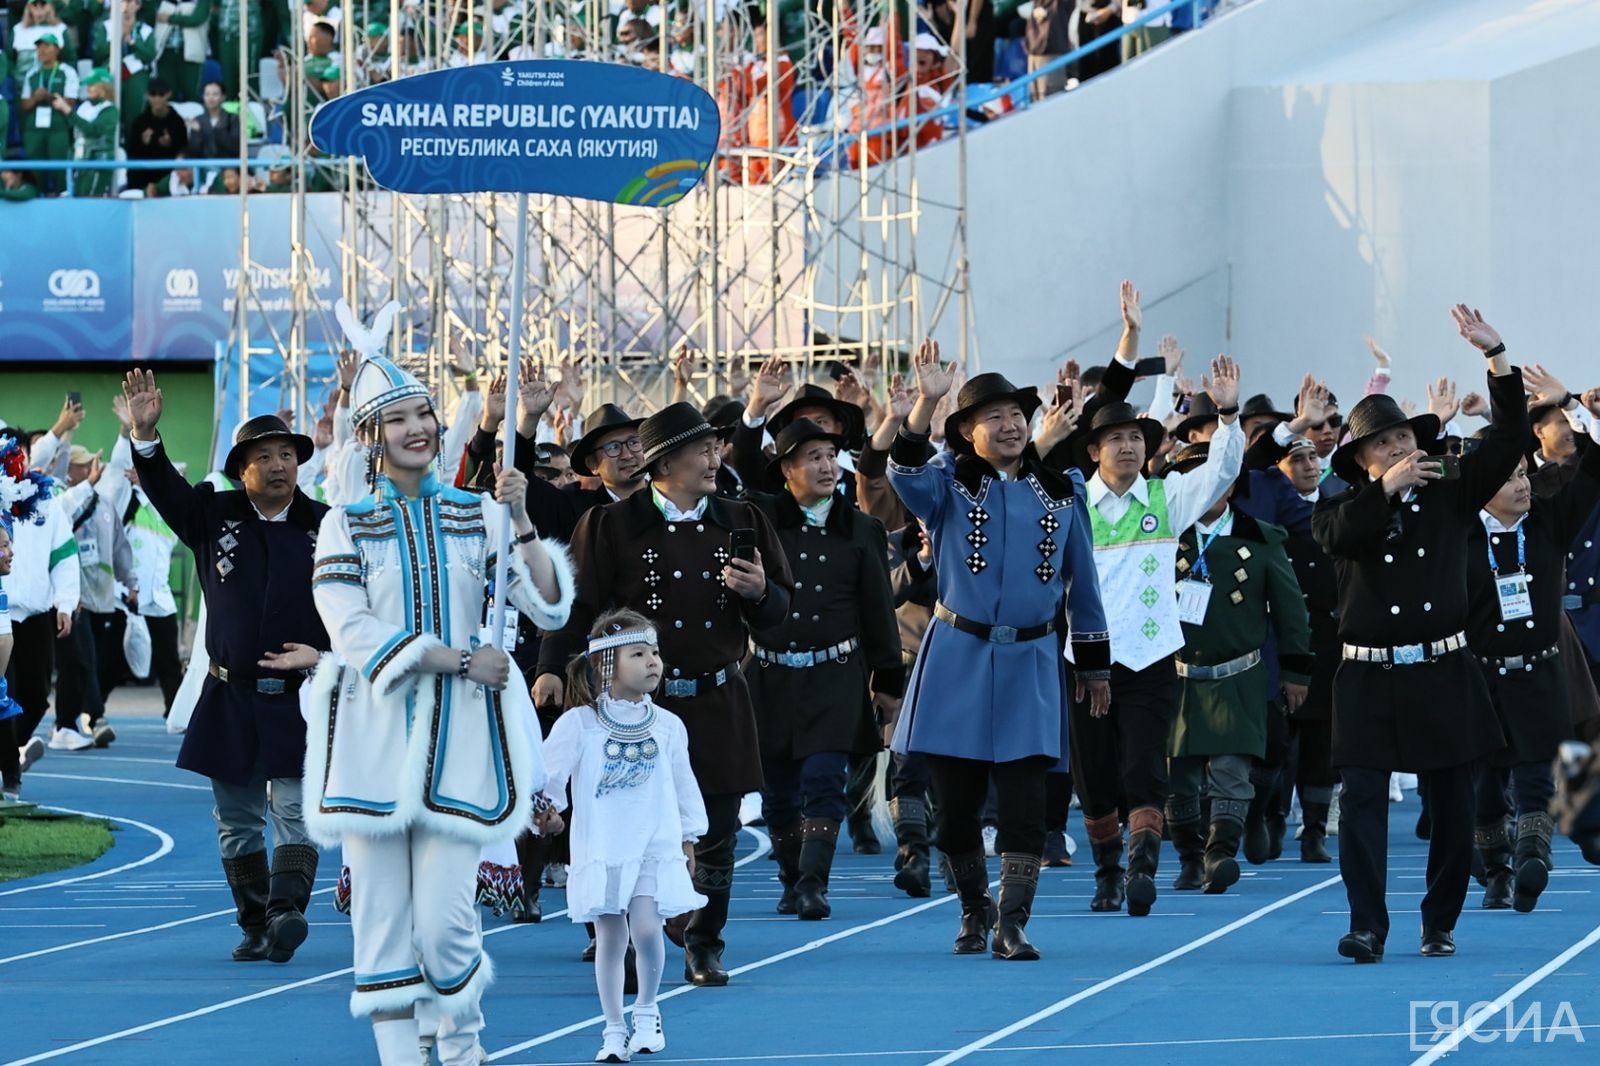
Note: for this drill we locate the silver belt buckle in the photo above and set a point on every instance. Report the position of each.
(1572, 603)
(1515, 662)
(1003, 635)
(794, 660)
(269, 686)
(681, 688)
(222, 674)
(1410, 654)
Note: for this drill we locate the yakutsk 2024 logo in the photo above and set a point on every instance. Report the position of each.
(73, 290)
(533, 79)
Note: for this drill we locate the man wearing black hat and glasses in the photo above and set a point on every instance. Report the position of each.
(1409, 695)
(1120, 758)
(707, 571)
(987, 697)
(818, 673)
(253, 553)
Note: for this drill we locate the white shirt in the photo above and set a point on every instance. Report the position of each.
(676, 514)
(1189, 495)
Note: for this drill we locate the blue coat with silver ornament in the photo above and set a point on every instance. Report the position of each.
(1015, 553)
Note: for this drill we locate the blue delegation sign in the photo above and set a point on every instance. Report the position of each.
(601, 131)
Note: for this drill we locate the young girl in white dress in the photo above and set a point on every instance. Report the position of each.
(636, 814)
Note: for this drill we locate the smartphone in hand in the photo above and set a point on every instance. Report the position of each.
(743, 544)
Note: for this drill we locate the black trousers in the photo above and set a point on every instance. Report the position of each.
(1364, 846)
(1532, 786)
(32, 670)
(1057, 802)
(908, 776)
(78, 678)
(1120, 761)
(961, 787)
(165, 665)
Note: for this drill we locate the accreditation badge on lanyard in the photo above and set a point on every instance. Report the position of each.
(1194, 593)
(1516, 602)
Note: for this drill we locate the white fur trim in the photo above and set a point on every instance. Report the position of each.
(363, 1004)
(315, 777)
(547, 616)
(466, 1001)
(401, 672)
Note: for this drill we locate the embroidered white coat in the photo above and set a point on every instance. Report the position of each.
(388, 747)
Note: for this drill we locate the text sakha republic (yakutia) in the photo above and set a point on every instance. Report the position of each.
(533, 116)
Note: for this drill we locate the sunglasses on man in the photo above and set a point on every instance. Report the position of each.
(1336, 421)
(613, 448)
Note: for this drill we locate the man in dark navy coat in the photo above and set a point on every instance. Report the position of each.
(253, 553)
(1408, 694)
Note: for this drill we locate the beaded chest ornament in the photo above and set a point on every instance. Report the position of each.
(630, 750)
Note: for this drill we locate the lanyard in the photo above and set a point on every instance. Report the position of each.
(1205, 539)
(1522, 557)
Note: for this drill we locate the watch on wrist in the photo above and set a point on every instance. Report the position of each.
(1499, 349)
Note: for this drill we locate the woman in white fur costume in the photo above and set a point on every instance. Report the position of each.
(419, 754)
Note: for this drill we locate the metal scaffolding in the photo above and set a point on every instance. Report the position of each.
(786, 249)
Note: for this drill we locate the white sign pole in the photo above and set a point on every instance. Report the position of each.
(502, 563)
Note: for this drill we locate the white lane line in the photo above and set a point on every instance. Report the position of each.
(1479, 1016)
(1127, 975)
(121, 781)
(159, 853)
(762, 844)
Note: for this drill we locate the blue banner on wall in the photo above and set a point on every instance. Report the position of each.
(151, 280)
(601, 131)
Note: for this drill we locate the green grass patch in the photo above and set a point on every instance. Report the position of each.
(35, 841)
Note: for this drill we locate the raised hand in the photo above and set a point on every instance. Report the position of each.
(534, 391)
(1442, 400)
(462, 356)
(899, 398)
(349, 363)
(1414, 471)
(851, 389)
(1170, 353)
(770, 383)
(1408, 408)
(1223, 384)
(1469, 321)
(1059, 421)
(494, 405)
(119, 407)
(1132, 313)
(1591, 400)
(1542, 385)
(1473, 405)
(738, 376)
(1313, 402)
(1379, 356)
(144, 403)
(682, 364)
(571, 383)
(933, 377)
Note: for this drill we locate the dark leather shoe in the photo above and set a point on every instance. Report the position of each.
(253, 948)
(286, 931)
(977, 917)
(703, 967)
(1497, 891)
(1438, 943)
(1361, 946)
(1190, 876)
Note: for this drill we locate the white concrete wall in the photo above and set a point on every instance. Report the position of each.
(1298, 174)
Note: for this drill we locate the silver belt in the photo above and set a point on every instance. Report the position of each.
(799, 660)
(687, 688)
(1221, 670)
(1406, 654)
(1507, 663)
(1575, 603)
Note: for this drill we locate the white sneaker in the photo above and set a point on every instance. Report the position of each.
(30, 753)
(1396, 793)
(1072, 845)
(1333, 815)
(647, 1038)
(70, 740)
(750, 809)
(614, 1046)
(990, 835)
(101, 733)
(555, 875)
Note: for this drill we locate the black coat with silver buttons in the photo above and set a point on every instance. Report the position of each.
(1402, 569)
(842, 593)
(626, 554)
(1532, 696)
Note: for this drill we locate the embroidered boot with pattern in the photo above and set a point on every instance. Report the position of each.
(1188, 837)
(1144, 855)
(971, 872)
(818, 839)
(1493, 844)
(702, 935)
(786, 844)
(1534, 832)
(294, 871)
(911, 833)
(1105, 843)
(249, 880)
(1019, 880)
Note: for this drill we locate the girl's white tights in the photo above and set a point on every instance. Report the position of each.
(611, 947)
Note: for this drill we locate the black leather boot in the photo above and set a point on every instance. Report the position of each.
(1257, 844)
(250, 881)
(294, 871)
(1313, 832)
(971, 873)
(1019, 880)
(532, 853)
(1532, 859)
(911, 833)
(702, 936)
(818, 839)
(1105, 844)
(1144, 855)
(1222, 845)
(786, 849)
(1493, 845)
(858, 794)
(1277, 829)
(1190, 841)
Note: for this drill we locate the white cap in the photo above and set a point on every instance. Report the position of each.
(874, 38)
(927, 42)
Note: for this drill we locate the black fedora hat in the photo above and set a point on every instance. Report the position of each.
(1202, 409)
(264, 427)
(1261, 405)
(1376, 414)
(669, 429)
(800, 432)
(724, 413)
(1189, 456)
(1120, 414)
(981, 390)
(607, 418)
(852, 421)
